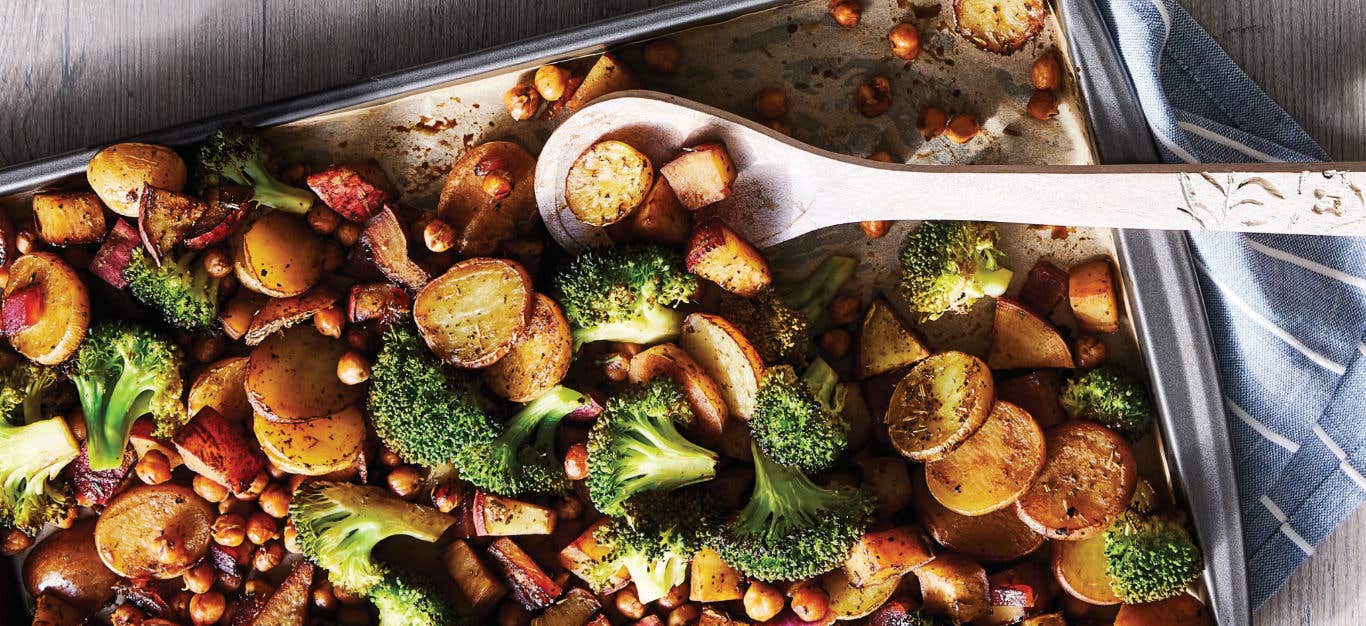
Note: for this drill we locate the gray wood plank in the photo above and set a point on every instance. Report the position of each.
(31, 66)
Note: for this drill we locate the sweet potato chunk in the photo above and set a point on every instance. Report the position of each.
(1020, 339)
(355, 190)
(165, 218)
(530, 584)
(572, 610)
(1036, 392)
(1043, 288)
(281, 313)
(702, 175)
(703, 394)
(67, 218)
(1087, 480)
(607, 182)
(1091, 292)
(955, 586)
(584, 557)
(993, 467)
(886, 343)
(278, 255)
(719, 255)
(292, 376)
(386, 246)
(217, 448)
(313, 448)
(886, 555)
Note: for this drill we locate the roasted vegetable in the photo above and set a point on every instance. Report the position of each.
(779, 332)
(522, 459)
(624, 293)
(180, 289)
(947, 266)
(813, 294)
(123, 372)
(663, 533)
(239, 155)
(1114, 398)
(35, 454)
(1150, 558)
(607, 182)
(118, 173)
(22, 391)
(407, 599)
(471, 315)
(797, 422)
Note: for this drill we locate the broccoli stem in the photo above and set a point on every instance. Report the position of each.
(655, 324)
(109, 426)
(782, 494)
(544, 415)
(823, 380)
(662, 460)
(821, 286)
(273, 193)
(992, 282)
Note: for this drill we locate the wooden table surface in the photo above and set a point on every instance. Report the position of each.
(79, 72)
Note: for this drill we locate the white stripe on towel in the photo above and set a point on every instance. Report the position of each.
(1286, 530)
(1337, 451)
(1227, 142)
(1317, 268)
(1261, 428)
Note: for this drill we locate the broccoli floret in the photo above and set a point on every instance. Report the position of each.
(122, 372)
(1150, 558)
(635, 446)
(947, 266)
(913, 617)
(239, 155)
(422, 410)
(659, 538)
(406, 599)
(1112, 397)
(798, 422)
(339, 524)
(792, 529)
(522, 459)
(779, 332)
(180, 288)
(624, 293)
(34, 455)
(811, 296)
(22, 390)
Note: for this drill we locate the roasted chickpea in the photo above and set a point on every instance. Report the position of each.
(290, 537)
(522, 102)
(1042, 105)
(216, 263)
(1091, 352)
(678, 594)
(1046, 73)
(257, 486)
(231, 504)
(810, 602)
(75, 420)
(835, 343)
(662, 56)
(330, 321)
(881, 156)
(26, 242)
(353, 368)
(445, 497)
(153, 468)
(874, 96)
(905, 40)
(268, 556)
(358, 337)
(13, 541)
(209, 490)
(962, 128)
(875, 229)
(569, 508)
(169, 547)
(844, 309)
(207, 608)
(763, 601)
(404, 481)
(629, 604)
(348, 233)
(207, 348)
(438, 235)
(274, 501)
(390, 459)
(200, 578)
(322, 219)
(550, 81)
(261, 528)
(323, 598)
(230, 529)
(126, 615)
(576, 462)
(68, 519)
(932, 122)
(846, 12)
(683, 615)
(497, 184)
(770, 103)
(236, 317)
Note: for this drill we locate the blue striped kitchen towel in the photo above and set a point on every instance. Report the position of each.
(1288, 312)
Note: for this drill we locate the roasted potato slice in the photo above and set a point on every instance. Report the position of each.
(539, 360)
(1183, 610)
(118, 173)
(883, 556)
(728, 358)
(471, 315)
(993, 467)
(377, 301)
(67, 218)
(1092, 294)
(955, 586)
(136, 522)
(483, 220)
(939, 404)
(996, 537)
(68, 565)
(278, 255)
(1087, 480)
(52, 308)
(218, 449)
(315, 447)
(1000, 26)
(1037, 393)
(703, 394)
(702, 175)
(886, 343)
(385, 245)
(221, 385)
(1021, 339)
(292, 377)
(281, 313)
(1080, 569)
(719, 255)
(606, 76)
(661, 218)
(848, 602)
(607, 182)
(887, 480)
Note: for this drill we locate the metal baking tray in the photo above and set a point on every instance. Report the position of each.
(413, 120)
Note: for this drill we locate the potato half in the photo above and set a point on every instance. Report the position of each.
(607, 182)
(1000, 26)
(471, 315)
(539, 360)
(315, 447)
(118, 172)
(941, 402)
(67, 564)
(64, 313)
(1080, 569)
(1087, 480)
(292, 376)
(279, 255)
(993, 467)
(139, 519)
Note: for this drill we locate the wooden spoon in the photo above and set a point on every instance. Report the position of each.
(785, 188)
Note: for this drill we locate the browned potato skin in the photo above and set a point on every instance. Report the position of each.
(955, 586)
(128, 528)
(539, 360)
(1092, 295)
(218, 449)
(1183, 610)
(721, 256)
(118, 172)
(996, 537)
(286, 606)
(702, 175)
(482, 221)
(292, 377)
(606, 76)
(1000, 26)
(513, 308)
(313, 448)
(886, 555)
(1021, 339)
(1079, 567)
(66, 308)
(1090, 472)
(281, 313)
(67, 565)
(69, 217)
(661, 218)
(993, 467)
(278, 255)
(220, 385)
(608, 181)
(886, 343)
(916, 429)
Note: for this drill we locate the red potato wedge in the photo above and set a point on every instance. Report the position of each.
(1182, 610)
(1000, 26)
(313, 448)
(496, 516)
(574, 609)
(217, 448)
(701, 176)
(1044, 287)
(224, 208)
(355, 190)
(97, 488)
(939, 404)
(954, 586)
(119, 172)
(1087, 480)
(530, 584)
(996, 537)
(146, 516)
(57, 332)
(280, 313)
(608, 181)
(539, 360)
(994, 467)
(471, 315)
(606, 76)
(1092, 294)
(1020, 339)
(278, 255)
(1035, 392)
(67, 218)
(848, 602)
(477, 583)
(292, 376)
(21, 309)
(703, 394)
(887, 555)
(886, 343)
(728, 358)
(661, 218)
(165, 218)
(584, 557)
(483, 221)
(719, 255)
(386, 246)
(1080, 569)
(67, 565)
(711, 579)
(115, 253)
(377, 301)
(286, 606)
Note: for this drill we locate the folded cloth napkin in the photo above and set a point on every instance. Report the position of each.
(1288, 312)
